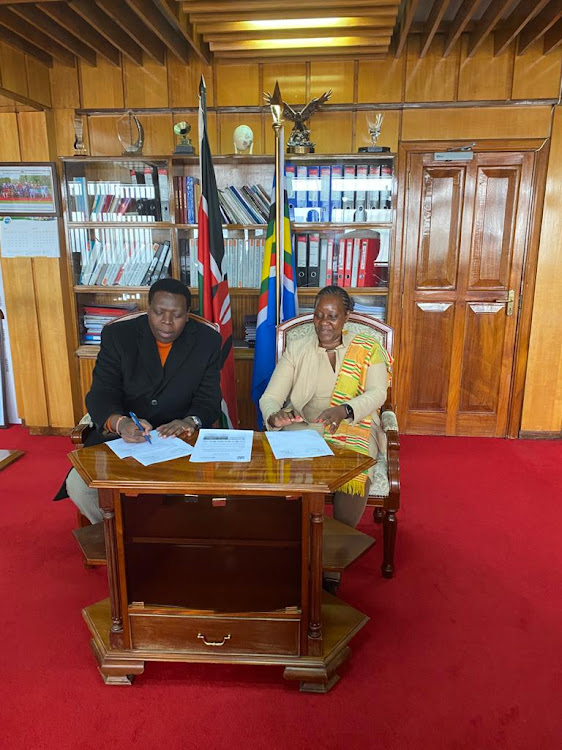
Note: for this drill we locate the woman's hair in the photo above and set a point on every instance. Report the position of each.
(336, 291)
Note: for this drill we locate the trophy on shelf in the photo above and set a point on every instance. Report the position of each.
(79, 147)
(130, 133)
(184, 145)
(299, 141)
(243, 138)
(374, 125)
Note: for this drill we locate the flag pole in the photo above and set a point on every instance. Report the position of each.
(276, 106)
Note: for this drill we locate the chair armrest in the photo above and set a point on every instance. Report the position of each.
(389, 423)
(80, 432)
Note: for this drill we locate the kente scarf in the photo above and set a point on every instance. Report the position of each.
(363, 352)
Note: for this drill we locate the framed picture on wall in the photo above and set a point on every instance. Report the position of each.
(28, 189)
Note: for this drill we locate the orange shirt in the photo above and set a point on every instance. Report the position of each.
(163, 351)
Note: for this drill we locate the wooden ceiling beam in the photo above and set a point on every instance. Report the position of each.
(516, 21)
(153, 18)
(539, 25)
(131, 23)
(179, 19)
(17, 42)
(280, 49)
(485, 25)
(464, 14)
(384, 11)
(404, 26)
(28, 31)
(75, 24)
(552, 38)
(225, 6)
(339, 53)
(234, 27)
(100, 21)
(36, 16)
(433, 21)
(383, 34)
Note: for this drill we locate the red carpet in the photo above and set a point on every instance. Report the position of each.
(463, 650)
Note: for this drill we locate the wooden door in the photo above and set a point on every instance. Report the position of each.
(465, 237)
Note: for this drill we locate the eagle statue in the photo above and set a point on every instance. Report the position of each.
(299, 141)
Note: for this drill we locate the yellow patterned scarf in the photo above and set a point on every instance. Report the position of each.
(361, 353)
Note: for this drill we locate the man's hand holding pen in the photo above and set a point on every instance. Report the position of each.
(128, 430)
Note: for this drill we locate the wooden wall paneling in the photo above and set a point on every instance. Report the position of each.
(237, 85)
(103, 136)
(292, 81)
(38, 81)
(332, 132)
(213, 131)
(64, 132)
(12, 70)
(56, 361)
(34, 142)
(145, 86)
(433, 78)
(9, 137)
(86, 363)
(339, 77)
(537, 76)
(25, 340)
(542, 404)
(158, 134)
(476, 123)
(389, 132)
(230, 121)
(102, 86)
(484, 76)
(65, 86)
(183, 82)
(380, 80)
(6, 104)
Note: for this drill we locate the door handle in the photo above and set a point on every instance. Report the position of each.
(510, 301)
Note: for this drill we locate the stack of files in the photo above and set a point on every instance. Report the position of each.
(97, 316)
(122, 257)
(186, 196)
(248, 204)
(250, 324)
(242, 261)
(347, 261)
(346, 193)
(377, 309)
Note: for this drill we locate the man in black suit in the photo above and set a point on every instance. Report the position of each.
(164, 367)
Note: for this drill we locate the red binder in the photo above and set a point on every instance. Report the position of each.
(370, 247)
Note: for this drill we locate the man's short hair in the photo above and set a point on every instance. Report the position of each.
(170, 286)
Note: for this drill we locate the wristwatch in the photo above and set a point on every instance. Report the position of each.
(198, 422)
(348, 412)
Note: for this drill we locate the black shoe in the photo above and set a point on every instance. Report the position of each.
(331, 585)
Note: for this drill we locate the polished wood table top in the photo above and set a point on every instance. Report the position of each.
(100, 467)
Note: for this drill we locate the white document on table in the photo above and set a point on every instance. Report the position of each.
(298, 444)
(161, 449)
(223, 445)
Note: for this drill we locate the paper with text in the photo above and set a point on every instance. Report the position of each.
(298, 444)
(161, 449)
(223, 445)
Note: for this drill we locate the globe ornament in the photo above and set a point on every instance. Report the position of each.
(243, 138)
(184, 145)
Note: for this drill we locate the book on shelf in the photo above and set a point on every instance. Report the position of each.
(313, 268)
(336, 206)
(325, 174)
(313, 194)
(362, 174)
(369, 251)
(95, 317)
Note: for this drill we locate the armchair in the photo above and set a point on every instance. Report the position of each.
(384, 495)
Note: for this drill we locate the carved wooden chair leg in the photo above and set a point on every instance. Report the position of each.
(378, 515)
(390, 525)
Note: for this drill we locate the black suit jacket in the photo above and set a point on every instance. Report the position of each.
(128, 376)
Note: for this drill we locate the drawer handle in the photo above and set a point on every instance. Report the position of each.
(213, 643)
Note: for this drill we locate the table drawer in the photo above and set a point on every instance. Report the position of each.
(215, 635)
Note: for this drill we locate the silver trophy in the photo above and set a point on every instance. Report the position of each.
(374, 125)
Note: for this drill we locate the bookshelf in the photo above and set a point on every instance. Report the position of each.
(129, 221)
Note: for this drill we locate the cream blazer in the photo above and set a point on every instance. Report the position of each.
(293, 384)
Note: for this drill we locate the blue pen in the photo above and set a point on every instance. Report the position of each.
(140, 427)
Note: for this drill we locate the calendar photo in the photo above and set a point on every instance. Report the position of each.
(27, 189)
